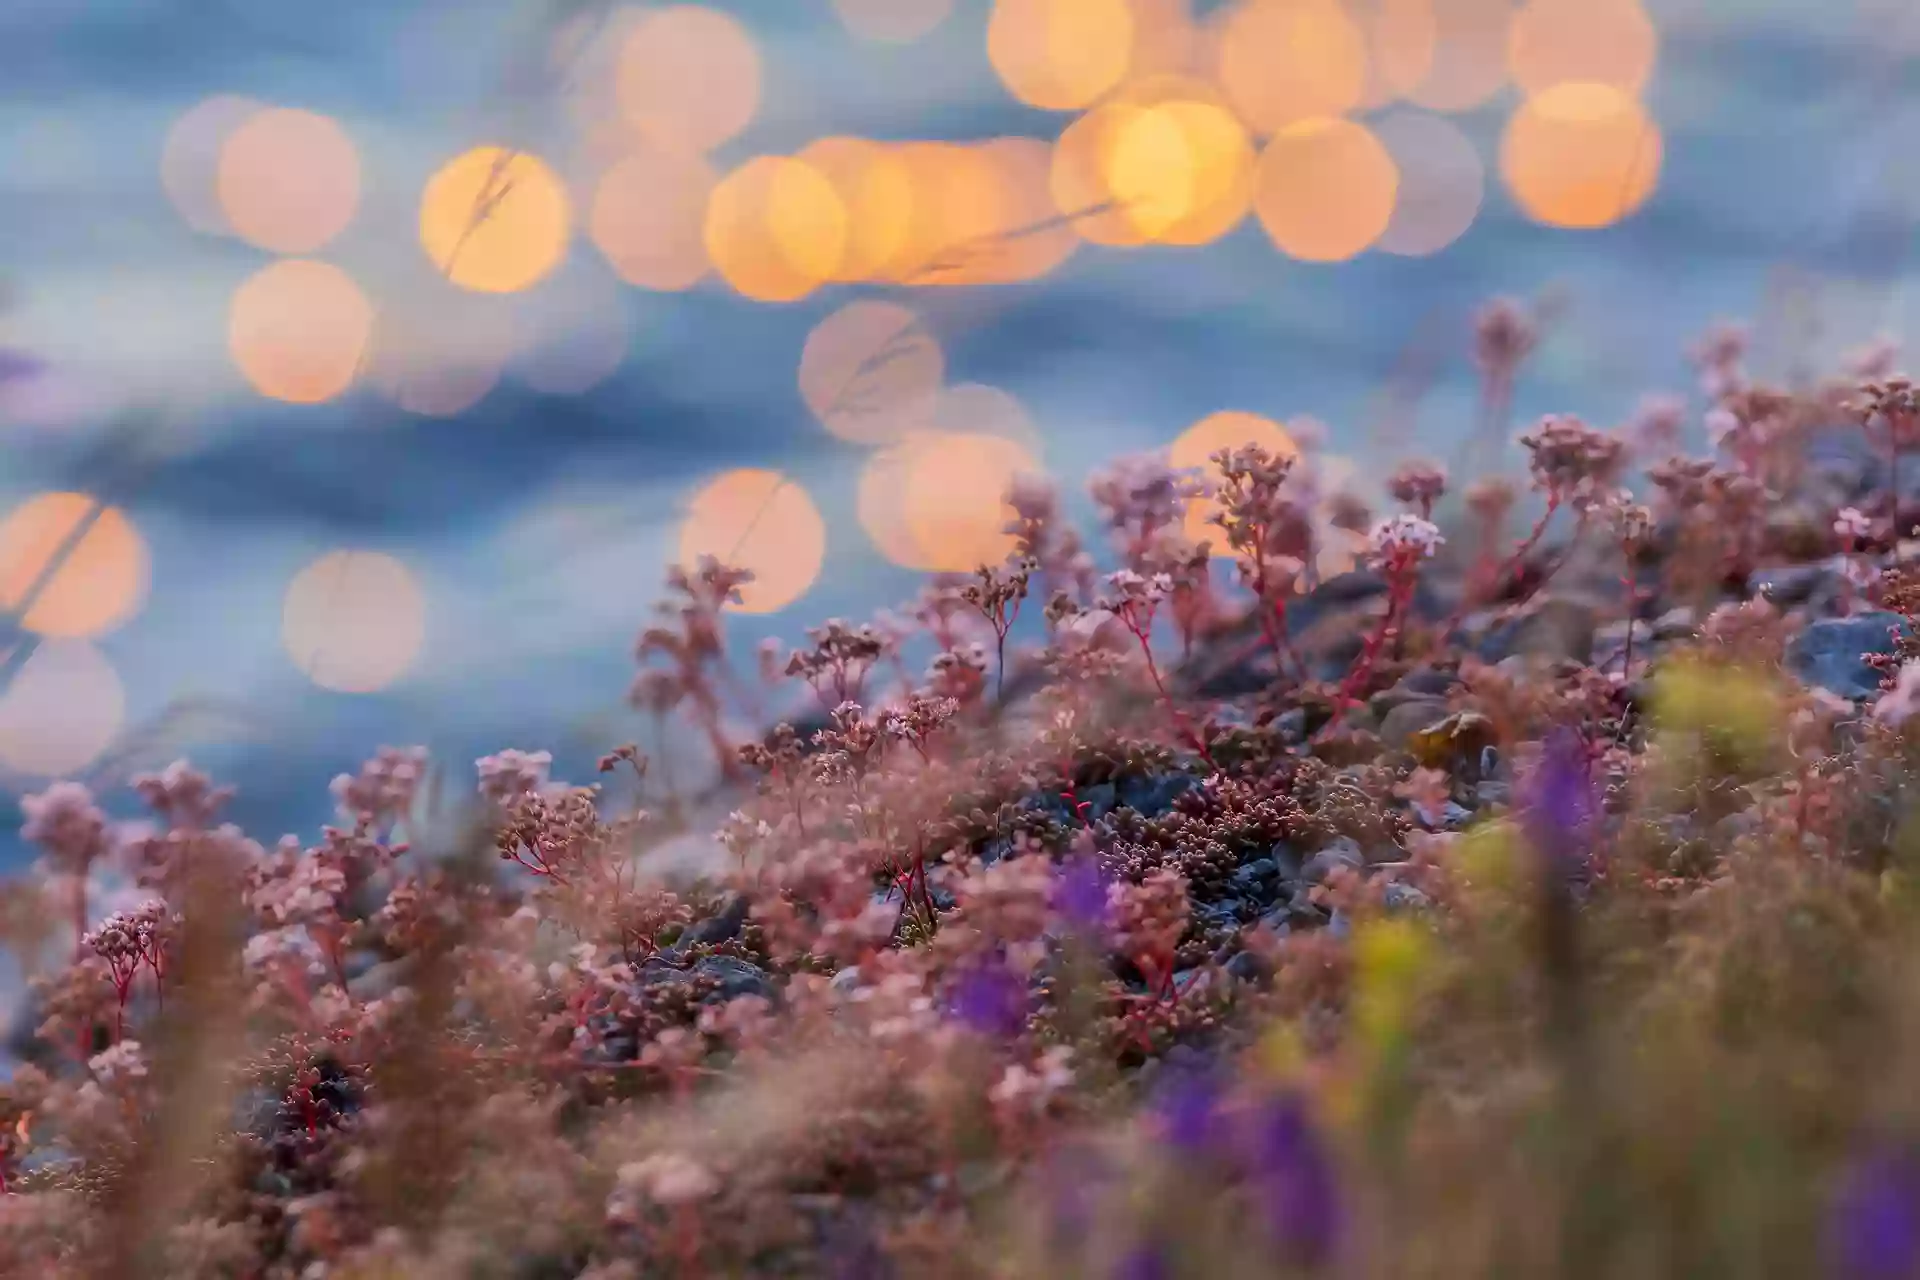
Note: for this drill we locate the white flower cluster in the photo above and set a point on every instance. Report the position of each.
(1402, 538)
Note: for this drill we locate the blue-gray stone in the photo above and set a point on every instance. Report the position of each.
(1832, 652)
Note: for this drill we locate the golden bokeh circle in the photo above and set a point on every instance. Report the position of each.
(953, 497)
(1581, 156)
(775, 229)
(1325, 189)
(99, 583)
(1281, 61)
(289, 181)
(870, 371)
(1442, 182)
(648, 217)
(1555, 42)
(1060, 55)
(354, 621)
(875, 186)
(63, 709)
(1467, 63)
(190, 159)
(298, 330)
(495, 220)
(689, 76)
(762, 521)
(1194, 450)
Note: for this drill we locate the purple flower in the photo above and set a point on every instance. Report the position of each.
(1188, 1107)
(991, 999)
(1145, 1261)
(1875, 1223)
(1080, 893)
(1293, 1179)
(1561, 804)
(1077, 1177)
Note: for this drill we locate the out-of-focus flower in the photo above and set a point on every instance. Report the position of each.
(510, 774)
(1294, 1180)
(1874, 1228)
(1402, 540)
(1187, 1109)
(69, 828)
(1145, 1261)
(1389, 957)
(1852, 524)
(667, 1178)
(1561, 801)
(991, 999)
(1032, 1088)
(1897, 705)
(1080, 893)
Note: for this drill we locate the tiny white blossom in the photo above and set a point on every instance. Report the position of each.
(1852, 523)
(1403, 538)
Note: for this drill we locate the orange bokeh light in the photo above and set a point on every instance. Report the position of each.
(99, 583)
(1228, 429)
(775, 229)
(1468, 63)
(875, 187)
(647, 217)
(190, 159)
(1032, 239)
(1286, 60)
(63, 709)
(354, 621)
(298, 330)
(892, 21)
(1442, 182)
(495, 220)
(289, 180)
(1081, 178)
(870, 371)
(1581, 156)
(1609, 42)
(1325, 189)
(439, 356)
(761, 521)
(1400, 36)
(937, 500)
(689, 76)
(1060, 55)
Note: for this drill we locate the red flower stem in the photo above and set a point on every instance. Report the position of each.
(1153, 670)
(1470, 597)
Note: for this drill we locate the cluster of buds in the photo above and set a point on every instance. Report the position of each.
(384, 789)
(1631, 521)
(1148, 921)
(997, 595)
(1504, 335)
(959, 673)
(848, 748)
(1042, 537)
(551, 834)
(1140, 495)
(1418, 485)
(919, 720)
(182, 796)
(1569, 460)
(1399, 542)
(129, 941)
(1719, 357)
(67, 825)
(509, 774)
(839, 661)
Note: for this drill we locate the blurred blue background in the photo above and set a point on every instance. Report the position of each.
(537, 525)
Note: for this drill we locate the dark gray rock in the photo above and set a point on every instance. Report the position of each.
(1676, 624)
(1250, 877)
(1153, 796)
(1342, 851)
(1250, 968)
(1793, 584)
(1404, 897)
(721, 927)
(1416, 715)
(1557, 627)
(732, 977)
(1831, 652)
